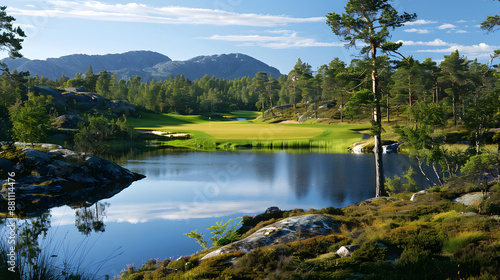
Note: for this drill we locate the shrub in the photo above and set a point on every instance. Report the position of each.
(214, 266)
(369, 252)
(462, 239)
(179, 265)
(314, 246)
(421, 236)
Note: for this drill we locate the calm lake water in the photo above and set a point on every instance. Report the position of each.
(184, 191)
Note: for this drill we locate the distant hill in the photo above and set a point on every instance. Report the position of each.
(146, 64)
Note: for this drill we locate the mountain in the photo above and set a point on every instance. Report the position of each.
(69, 65)
(146, 64)
(227, 66)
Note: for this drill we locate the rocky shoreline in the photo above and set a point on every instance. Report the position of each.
(41, 180)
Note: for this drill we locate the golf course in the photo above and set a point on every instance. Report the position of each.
(245, 129)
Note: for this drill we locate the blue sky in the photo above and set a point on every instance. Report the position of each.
(278, 32)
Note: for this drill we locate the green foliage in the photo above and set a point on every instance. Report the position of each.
(93, 138)
(198, 237)
(30, 119)
(411, 183)
(12, 37)
(406, 182)
(393, 185)
(481, 167)
(223, 233)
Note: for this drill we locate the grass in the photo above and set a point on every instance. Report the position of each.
(219, 132)
(463, 239)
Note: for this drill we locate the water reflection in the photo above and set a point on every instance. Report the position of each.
(91, 218)
(189, 190)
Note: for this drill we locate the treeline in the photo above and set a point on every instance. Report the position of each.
(455, 84)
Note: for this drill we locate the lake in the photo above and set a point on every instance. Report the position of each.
(184, 191)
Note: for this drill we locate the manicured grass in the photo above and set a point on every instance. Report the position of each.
(213, 133)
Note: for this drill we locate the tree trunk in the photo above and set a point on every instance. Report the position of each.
(454, 112)
(315, 107)
(437, 174)
(379, 168)
(409, 88)
(387, 109)
(423, 172)
(342, 107)
(436, 88)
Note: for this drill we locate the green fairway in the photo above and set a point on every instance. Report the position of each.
(226, 133)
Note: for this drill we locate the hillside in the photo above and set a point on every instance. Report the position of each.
(146, 64)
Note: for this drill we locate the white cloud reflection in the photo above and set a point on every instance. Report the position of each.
(173, 210)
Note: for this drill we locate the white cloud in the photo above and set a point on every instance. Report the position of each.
(420, 22)
(461, 31)
(133, 12)
(289, 39)
(27, 26)
(435, 43)
(461, 21)
(416, 30)
(446, 26)
(481, 50)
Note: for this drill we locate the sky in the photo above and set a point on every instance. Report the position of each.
(277, 32)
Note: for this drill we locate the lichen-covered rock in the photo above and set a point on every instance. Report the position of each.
(282, 232)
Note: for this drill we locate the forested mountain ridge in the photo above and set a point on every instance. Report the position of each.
(146, 64)
(223, 66)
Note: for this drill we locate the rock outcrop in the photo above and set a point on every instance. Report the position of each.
(282, 232)
(45, 180)
(77, 99)
(68, 121)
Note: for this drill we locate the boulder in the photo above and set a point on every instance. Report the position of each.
(108, 170)
(347, 250)
(68, 121)
(6, 165)
(282, 232)
(470, 198)
(59, 168)
(84, 101)
(120, 108)
(36, 155)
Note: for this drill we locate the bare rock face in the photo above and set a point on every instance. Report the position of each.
(282, 232)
